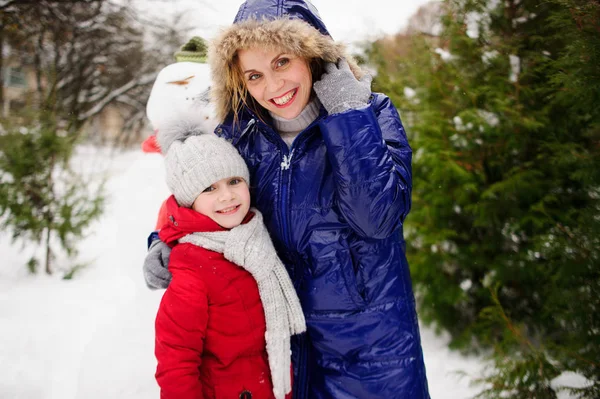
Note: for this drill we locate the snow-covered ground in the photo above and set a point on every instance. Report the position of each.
(93, 336)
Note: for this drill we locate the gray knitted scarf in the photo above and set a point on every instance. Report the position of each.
(249, 246)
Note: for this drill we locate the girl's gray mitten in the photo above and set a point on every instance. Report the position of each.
(338, 90)
(156, 272)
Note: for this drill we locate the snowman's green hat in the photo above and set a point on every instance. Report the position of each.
(193, 51)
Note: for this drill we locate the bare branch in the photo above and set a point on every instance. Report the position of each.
(96, 109)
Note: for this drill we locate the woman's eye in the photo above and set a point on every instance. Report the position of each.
(254, 76)
(282, 62)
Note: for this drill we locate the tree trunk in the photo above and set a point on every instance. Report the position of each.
(37, 61)
(49, 216)
(2, 65)
(48, 251)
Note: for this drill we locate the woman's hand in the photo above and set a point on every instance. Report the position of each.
(338, 90)
(156, 272)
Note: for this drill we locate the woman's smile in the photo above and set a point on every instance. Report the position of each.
(286, 99)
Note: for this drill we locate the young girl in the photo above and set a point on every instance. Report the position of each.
(224, 323)
(331, 167)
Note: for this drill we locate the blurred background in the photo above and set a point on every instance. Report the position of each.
(500, 100)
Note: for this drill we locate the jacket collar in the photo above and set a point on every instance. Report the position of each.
(248, 121)
(183, 221)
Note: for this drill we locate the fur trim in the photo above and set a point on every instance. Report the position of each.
(178, 131)
(193, 121)
(291, 35)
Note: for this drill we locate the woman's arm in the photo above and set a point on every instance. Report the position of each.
(155, 269)
(371, 157)
(180, 332)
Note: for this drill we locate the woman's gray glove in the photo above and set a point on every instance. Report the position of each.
(338, 90)
(156, 272)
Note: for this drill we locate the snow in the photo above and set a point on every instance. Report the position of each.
(515, 68)
(409, 92)
(489, 117)
(488, 56)
(472, 21)
(93, 336)
(444, 54)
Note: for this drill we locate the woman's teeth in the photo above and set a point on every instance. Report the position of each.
(284, 99)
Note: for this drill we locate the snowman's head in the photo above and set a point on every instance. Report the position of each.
(180, 94)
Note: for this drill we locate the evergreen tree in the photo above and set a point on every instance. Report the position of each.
(81, 52)
(42, 199)
(503, 235)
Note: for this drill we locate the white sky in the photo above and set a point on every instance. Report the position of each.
(349, 21)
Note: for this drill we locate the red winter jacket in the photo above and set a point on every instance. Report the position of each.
(210, 326)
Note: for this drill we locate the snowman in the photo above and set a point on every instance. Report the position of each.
(180, 95)
(179, 100)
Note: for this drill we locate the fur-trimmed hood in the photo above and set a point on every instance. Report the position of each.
(292, 26)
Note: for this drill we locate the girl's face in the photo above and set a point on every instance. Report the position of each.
(280, 82)
(226, 202)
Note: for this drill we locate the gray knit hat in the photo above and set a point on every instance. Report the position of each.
(196, 162)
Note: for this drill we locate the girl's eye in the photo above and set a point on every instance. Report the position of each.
(208, 189)
(235, 181)
(282, 62)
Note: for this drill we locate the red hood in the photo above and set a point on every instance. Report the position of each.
(151, 145)
(183, 221)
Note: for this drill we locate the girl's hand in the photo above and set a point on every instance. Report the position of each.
(338, 90)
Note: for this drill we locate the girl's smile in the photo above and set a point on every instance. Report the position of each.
(230, 210)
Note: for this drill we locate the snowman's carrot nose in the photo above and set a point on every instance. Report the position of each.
(182, 82)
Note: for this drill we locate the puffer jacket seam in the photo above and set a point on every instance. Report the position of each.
(388, 359)
(334, 314)
(368, 182)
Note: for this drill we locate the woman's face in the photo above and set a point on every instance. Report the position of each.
(280, 82)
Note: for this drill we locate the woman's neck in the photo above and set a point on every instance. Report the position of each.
(299, 123)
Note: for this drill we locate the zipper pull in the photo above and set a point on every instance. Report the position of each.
(287, 160)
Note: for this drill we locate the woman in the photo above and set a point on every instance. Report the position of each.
(330, 168)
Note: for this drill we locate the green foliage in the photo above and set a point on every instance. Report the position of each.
(41, 197)
(70, 274)
(524, 371)
(505, 128)
(32, 265)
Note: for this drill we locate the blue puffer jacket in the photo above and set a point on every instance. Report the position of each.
(334, 204)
